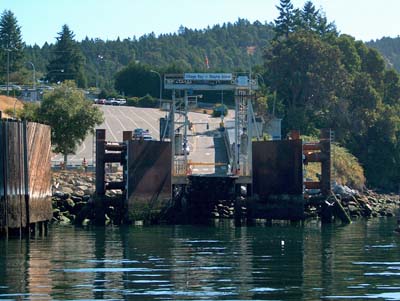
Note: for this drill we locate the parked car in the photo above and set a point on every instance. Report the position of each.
(147, 136)
(110, 101)
(101, 101)
(121, 101)
(138, 133)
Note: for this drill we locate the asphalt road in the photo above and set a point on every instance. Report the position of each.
(205, 143)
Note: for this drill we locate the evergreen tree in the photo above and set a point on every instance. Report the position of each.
(10, 42)
(287, 19)
(309, 16)
(68, 60)
(324, 28)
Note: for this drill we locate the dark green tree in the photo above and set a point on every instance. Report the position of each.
(308, 77)
(349, 55)
(68, 60)
(391, 81)
(287, 19)
(137, 80)
(11, 43)
(70, 116)
(309, 16)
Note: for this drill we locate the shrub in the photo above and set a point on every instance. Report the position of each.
(219, 109)
(148, 101)
(346, 170)
(132, 102)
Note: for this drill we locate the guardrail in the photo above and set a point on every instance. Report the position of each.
(228, 147)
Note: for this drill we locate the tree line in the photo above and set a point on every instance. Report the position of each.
(96, 61)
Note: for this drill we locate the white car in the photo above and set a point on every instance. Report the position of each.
(147, 137)
(121, 101)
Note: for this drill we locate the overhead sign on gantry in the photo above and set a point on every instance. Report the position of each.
(208, 76)
(209, 81)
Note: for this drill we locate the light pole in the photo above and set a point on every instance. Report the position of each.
(8, 70)
(159, 75)
(34, 78)
(99, 59)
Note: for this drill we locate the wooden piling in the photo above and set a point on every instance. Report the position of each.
(340, 212)
(100, 168)
(126, 135)
(100, 177)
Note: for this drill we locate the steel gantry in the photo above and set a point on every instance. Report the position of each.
(177, 121)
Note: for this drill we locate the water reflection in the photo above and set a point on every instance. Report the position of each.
(219, 262)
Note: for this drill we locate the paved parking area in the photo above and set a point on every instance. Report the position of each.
(122, 118)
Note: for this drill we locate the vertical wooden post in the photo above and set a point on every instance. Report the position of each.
(126, 135)
(325, 142)
(100, 177)
(26, 175)
(3, 209)
(100, 169)
(5, 174)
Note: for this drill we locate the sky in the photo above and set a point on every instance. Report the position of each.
(41, 20)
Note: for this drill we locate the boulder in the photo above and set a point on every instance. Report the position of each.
(64, 220)
(67, 190)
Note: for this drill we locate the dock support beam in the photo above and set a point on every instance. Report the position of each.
(100, 177)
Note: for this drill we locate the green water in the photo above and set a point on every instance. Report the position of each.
(360, 261)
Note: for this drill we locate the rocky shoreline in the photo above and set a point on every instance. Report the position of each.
(73, 201)
(72, 198)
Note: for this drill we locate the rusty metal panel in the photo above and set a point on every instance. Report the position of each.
(3, 220)
(25, 184)
(277, 167)
(148, 174)
(39, 172)
(16, 210)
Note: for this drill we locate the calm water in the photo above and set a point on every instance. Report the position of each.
(222, 262)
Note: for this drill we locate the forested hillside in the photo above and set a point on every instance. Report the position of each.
(223, 46)
(390, 49)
